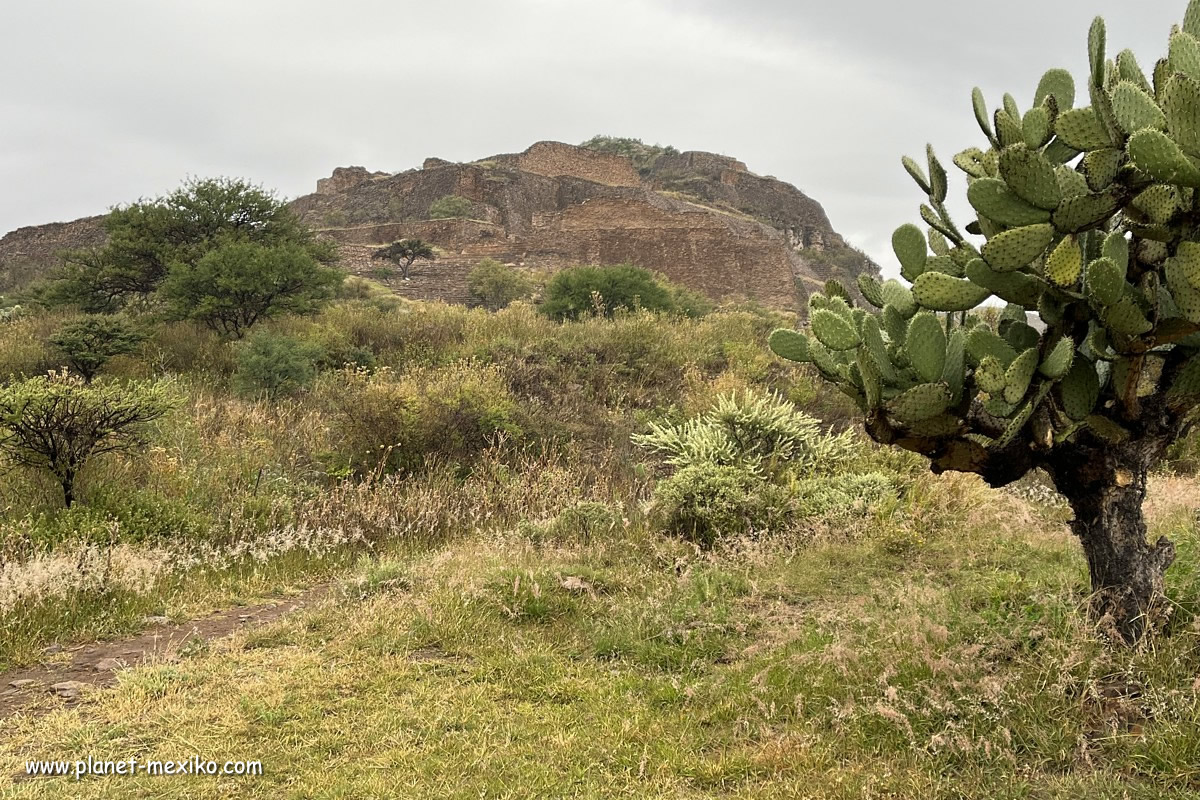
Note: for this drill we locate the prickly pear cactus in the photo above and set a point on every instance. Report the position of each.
(1061, 325)
(1087, 233)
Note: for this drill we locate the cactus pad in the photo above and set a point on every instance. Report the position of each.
(1019, 374)
(899, 297)
(1018, 247)
(1136, 110)
(983, 342)
(909, 245)
(1059, 84)
(926, 345)
(1031, 176)
(1157, 154)
(1100, 167)
(1105, 281)
(1065, 263)
(992, 198)
(941, 292)
(1125, 317)
(1082, 129)
(1184, 54)
(921, 402)
(1079, 390)
(1058, 361)
(870, 289)
(989, 376)
(1181, 105)
(789, 344)
(834, 331)
(1085, 211)
(1012, 287)
(1185, 387)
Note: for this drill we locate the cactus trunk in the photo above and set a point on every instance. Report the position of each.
(1106, 490)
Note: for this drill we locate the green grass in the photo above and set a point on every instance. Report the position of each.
(960, 668)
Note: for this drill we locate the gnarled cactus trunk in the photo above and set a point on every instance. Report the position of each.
(1106, 488)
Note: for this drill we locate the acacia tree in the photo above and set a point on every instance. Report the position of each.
(238, 284)
(1088, 226)
(148, 239)
(89, 343)
(57, 422)
(404, 252)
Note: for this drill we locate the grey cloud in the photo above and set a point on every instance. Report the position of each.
(107, 102)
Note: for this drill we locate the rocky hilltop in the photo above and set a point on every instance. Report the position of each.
(703, 220)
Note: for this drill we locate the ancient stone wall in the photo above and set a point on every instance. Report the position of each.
(345, 178)
(555, 159)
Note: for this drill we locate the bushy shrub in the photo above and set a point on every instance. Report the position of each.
(276, 365)
(88, 343)
(763, 435)
(581, 523)
(494, 286)
(385, 422)
(581, 291)
(842, 495)
(707, 502)
(451, 206)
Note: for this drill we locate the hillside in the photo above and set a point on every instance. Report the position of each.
(703, 220)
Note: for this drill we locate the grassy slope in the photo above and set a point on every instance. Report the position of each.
(842, 668)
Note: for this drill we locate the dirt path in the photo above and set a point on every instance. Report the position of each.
(67, 671)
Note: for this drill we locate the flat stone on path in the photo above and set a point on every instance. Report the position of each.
(68, 690)
(109, 665)
(22, 683)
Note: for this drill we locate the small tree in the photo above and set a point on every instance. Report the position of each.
(147, 240)
(1086, 219)
(56, 423)
(88, 344)
(236, 285)
(577, 291)
(493, 286)
(404, 252)
(451, 206)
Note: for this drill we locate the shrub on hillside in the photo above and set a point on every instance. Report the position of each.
(451, 206)
(494, 286)
(276, 365)
(762, 434)
(57, 423)
(89, 343)
(602, 291)
(707, 502)
(383, 422)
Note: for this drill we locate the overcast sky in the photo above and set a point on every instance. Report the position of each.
(106, 102)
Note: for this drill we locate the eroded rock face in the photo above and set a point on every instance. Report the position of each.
(702, 219)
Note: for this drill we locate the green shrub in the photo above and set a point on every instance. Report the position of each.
(87, 344)
(643, 155)
(276, 365)
(706, 502)
(388, 423)
(582, 523)
(762, 434)
(451, 206)
(494, 286)
(581, 291)
(842, 495)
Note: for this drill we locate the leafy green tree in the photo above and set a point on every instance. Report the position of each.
(56, 423)
(404, 252)
(148, 239)
(240, 283)
(451, 206)
(579, 291)
(493, 286)
(87, 344)
(1086, 226)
